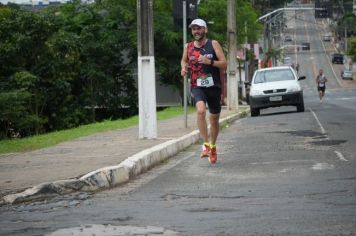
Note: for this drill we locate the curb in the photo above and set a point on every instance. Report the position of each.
(111, 176)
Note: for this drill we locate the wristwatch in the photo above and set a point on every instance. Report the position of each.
(211, 61)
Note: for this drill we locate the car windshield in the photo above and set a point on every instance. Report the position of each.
(273, 76)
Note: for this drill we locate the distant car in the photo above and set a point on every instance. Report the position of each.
(306, 46)
(327, 38)
(275, 86)
(346, 74)
(287, 61)
(288, 38)
(337, 58)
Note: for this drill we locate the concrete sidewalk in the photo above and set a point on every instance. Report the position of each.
(95, 162)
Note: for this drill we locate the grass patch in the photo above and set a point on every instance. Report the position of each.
(53, 138)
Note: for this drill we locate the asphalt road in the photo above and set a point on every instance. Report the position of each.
(282, 173)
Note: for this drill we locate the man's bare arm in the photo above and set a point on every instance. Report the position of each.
(221, 63)
(184, 62)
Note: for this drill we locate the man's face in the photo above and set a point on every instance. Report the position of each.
(198, 32)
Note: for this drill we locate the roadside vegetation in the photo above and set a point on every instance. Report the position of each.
(74, 64)
(53, 138)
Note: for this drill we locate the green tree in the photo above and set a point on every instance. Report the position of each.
(168, 61)
(22, 36)
(15, 120)
(352, 48)
(105, 68)
(74, 55)
(348, 23)
(67, 62)
(28, 84)
(245, 14)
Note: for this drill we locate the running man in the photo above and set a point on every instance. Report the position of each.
(205, 58)
(321, 84)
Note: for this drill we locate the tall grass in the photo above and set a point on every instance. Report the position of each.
(53, 138)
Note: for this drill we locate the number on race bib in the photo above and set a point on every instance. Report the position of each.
(205, 82)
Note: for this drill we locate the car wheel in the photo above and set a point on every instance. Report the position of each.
(255, 111)
(300, 107)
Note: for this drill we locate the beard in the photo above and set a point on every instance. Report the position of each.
(199, 37)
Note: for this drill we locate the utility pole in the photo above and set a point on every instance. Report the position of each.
(345, 39)
(146, 70)
(185, 77)
(232, 88)
(246, 62)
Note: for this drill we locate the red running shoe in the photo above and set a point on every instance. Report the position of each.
(213, 155)
(206, 150)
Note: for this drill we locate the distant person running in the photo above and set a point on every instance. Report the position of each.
(321, 84)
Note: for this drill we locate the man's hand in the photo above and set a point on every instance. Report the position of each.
(204, 60)
(184, 71)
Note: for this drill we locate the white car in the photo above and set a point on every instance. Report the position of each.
(346, 74)
(275, 86)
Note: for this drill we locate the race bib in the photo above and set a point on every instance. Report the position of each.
(321, 84)
(203, 81)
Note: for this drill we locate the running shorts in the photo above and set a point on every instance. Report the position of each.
(210, 96)
(321, 88)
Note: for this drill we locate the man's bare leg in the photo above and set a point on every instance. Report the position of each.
(201, 120)
(214, 131)
(214, 127)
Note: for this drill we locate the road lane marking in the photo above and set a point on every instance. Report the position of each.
(340, 156)
(317, 120)
(323, 166)
(345, 98)
(276, 162)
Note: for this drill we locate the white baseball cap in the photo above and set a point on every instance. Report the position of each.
(198, 22)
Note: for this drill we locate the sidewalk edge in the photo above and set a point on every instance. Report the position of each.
(115, 175)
